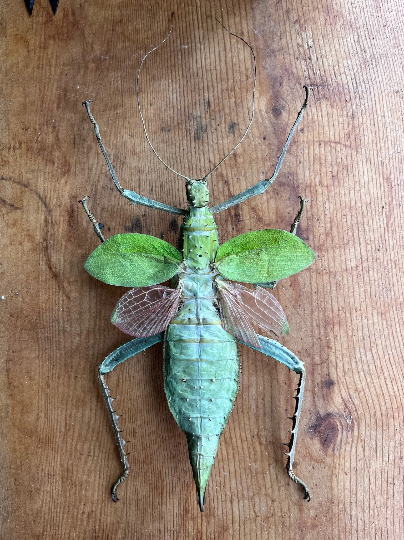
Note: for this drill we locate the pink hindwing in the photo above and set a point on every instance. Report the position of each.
(146, 311)
(240, 307)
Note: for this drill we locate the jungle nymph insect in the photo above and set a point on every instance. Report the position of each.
(204, 314)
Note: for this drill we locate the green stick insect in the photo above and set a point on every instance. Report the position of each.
(205, 314)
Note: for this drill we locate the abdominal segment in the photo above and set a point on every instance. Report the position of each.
(201, 372)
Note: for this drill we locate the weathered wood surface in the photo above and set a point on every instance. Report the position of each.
(58, 457)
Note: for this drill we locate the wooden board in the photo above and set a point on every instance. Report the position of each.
(58, 456)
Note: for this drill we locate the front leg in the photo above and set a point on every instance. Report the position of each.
(264, 184)
(272, 348)
(130, 195)
(121, 354)
(97, 226)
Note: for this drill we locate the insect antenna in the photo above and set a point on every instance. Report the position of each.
(140, 110)
(252, 106)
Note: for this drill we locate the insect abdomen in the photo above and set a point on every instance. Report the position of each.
(201, 372)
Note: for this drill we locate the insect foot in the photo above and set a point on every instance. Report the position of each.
(298, 481)
(295, 424)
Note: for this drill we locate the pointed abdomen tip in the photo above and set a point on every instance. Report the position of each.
(200, 499)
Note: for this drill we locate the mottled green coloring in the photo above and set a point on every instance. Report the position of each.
(201, 331)
(133, 260)
(261, 256)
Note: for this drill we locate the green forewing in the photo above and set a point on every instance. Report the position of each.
(263, 256)
(133, 260)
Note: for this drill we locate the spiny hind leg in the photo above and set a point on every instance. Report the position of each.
(272, 348)
(293, 434)
(121, 354)
(120, 441)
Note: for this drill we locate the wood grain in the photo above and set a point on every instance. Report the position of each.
(58, 457)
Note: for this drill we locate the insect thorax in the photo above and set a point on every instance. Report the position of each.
(200, 240)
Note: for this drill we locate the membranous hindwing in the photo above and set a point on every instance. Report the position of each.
(241, 307)
(146, 311)
(271, 254)
(206, 314)
(142, 261)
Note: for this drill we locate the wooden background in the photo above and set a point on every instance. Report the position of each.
(58, 456)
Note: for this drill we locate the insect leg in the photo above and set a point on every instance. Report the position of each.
(264, 184)
(299, 215)
(121, 354)
(130, 195)
(272, 348)
(96, 225)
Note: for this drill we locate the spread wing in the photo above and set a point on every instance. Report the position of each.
(263, 256)
(240, 307)
(134, 260)
(146, 311)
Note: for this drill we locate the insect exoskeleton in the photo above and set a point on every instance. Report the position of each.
(205, 313)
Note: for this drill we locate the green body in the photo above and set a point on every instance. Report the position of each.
(201, 362)
(201, 365)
